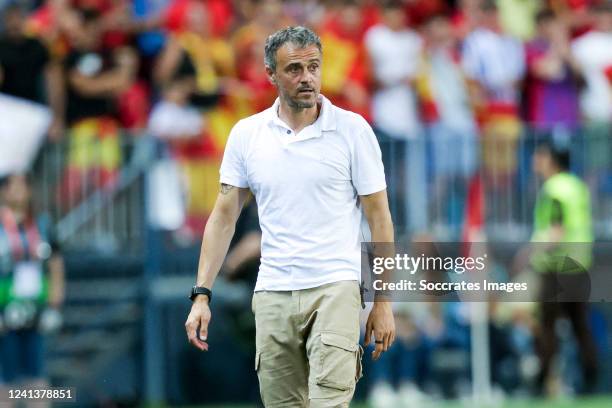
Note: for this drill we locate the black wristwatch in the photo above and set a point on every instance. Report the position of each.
(200, 290)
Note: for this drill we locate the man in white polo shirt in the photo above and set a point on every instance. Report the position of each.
(314, 170)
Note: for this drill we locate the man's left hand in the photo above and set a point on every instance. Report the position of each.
(382, 324)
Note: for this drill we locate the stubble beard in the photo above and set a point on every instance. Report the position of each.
(298, 105)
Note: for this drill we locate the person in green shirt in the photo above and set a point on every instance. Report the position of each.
(562, 253)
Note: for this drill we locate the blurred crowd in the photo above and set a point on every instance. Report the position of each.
(454, 73)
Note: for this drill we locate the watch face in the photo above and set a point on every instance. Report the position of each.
(195, 291)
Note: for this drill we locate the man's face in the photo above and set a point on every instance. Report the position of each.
(298, 75)
(439, 32)
(395, 18)
(542, 162)
(86, 33)
(488, 19)
(197, 19)
(552, 29)
(350, 18)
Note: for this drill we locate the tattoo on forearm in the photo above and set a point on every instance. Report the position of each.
(226, 188)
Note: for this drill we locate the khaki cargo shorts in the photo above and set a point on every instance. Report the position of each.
(307, 345)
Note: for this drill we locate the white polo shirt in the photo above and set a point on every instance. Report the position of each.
(307, 187)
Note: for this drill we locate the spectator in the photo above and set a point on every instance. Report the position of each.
(32, 286)
(592, 51)
(173, 118)
(575, 13)
(248, 43)
(551, 89)
(219, 13)
(54, 23)
(465, 16)
(553, 76)
(493, 60)
(306, 12)
(494, 64)
(446, 110)
(344, 69)
(196, 52)
(25, 63)
(96, 77)
(178, 126)
(394, 52)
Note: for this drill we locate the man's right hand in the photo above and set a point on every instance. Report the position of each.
(198, 320)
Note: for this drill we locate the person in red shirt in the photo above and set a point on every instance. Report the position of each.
(345, 70)
(248, 41)
(220, 12)
(95, 78)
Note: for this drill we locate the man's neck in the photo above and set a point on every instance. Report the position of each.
(298, 119)
(553, 173)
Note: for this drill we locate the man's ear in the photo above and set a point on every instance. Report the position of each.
(271, 75)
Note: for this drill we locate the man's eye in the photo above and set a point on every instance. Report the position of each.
(314, 67)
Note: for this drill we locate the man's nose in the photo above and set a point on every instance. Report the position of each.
(306, 78)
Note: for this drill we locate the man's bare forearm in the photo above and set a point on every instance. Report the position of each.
(219, 232)
(382, 229)
(215, 244)
(376, 210)
(382, 239)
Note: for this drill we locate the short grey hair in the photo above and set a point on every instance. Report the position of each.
(298, 35)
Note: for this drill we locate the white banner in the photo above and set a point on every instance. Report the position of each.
(23, 126)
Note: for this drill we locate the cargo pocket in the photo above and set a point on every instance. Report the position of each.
(359, 369)
(337, 362)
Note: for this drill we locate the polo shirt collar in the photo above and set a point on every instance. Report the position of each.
(325, 121)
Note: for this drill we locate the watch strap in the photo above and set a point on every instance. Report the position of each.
(200, 290)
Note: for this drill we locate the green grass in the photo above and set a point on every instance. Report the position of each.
(596, 402)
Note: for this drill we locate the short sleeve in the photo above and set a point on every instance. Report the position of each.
(367, 170)
(233, 168)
